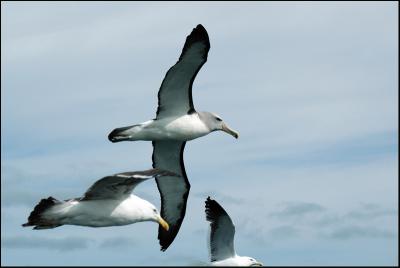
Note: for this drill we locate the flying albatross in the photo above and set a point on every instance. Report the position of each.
(176, 122)
(108, 202)
(222, 250)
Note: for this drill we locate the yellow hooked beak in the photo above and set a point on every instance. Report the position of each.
(229, 131)
(163, 223)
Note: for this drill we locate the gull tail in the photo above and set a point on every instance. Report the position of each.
(36, 217)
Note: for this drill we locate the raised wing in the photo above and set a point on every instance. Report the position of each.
(222, 231)
(174, 191)
(119, 185)
(175, 94)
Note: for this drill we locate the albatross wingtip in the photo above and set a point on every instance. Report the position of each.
(200, 30)
(200, 27)
(164, 244)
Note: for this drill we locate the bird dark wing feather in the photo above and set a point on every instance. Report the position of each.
(174, 191)
(121, 184)
(222, 231)
(175, 94)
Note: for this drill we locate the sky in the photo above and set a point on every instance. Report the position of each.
(312, 88)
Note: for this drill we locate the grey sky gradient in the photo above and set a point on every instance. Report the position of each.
(61, 244)
(311, 87)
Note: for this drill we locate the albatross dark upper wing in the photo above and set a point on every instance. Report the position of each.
(121, 184)
(174, 191)
(222, 231)
(175, 94)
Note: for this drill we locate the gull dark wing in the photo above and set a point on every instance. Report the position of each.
(118, 185)
(175, 94)
(222, 231)
(174, 191)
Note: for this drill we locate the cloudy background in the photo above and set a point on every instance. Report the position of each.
(311, 87)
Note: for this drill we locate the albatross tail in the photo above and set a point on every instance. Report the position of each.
(123, 133)
(36, 217)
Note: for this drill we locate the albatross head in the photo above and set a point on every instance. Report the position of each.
(248, 261)
(152, 214)
(214, 122)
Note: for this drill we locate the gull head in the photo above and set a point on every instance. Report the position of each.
(214, 123)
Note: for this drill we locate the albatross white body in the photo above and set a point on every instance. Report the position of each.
(101, 213)
(237, 261)
(180, 128)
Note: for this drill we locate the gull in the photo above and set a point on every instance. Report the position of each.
(108, 202)
(222, 233)
(176, 122)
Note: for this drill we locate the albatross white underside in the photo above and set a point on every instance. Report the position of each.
(180, 128)
(237, 261)
(101, 213)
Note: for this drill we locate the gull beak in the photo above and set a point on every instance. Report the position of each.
(163, 223)
(229, 131)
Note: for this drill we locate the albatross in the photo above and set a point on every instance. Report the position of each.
(108, 202)
(222, 233)
(176, 122)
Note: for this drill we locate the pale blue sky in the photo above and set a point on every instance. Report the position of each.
(311, 87)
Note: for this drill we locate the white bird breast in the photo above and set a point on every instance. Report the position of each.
(185, 127)
(102, 212)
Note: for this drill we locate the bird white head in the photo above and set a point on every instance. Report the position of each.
(248, 261)
(214, 122)
(157, 217)
(150, 213)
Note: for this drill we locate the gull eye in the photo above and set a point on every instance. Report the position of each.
(218, 119)
(154, 210)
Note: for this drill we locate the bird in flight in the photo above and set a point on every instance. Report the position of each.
(108, 202)
(222, 234)
(176, 122)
